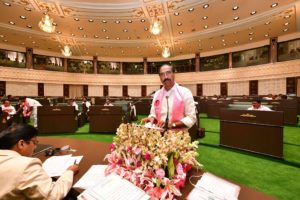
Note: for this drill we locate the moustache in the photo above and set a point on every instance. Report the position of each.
(167, 79)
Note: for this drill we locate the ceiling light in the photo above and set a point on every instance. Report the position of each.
(129, 21)
(117, 38)
(91, 20)
(80, 28)
(236, 42)
(46, 24)
(142, 20)
(23, 17)
(84, 35)
(59, 32)
(205, 27)
(22, 43)
(253, 12)
(206, 6)
(223, 40)
(220, 23)
(235, 8)
(287, 16)
(180, 32)
(104, 21)
(29, 26)
(251, 33)
(5, 40)
(166, 52)
(76, 19)
(204, 18)
(267, 23)
(285, 30)
(274, 5)
(235, 18)
(266, 35)
(66, 51)
(96, 36)
(176, 13)
(27, 9)
(286, 23)
(179, 24)
(146, 29)
(156, 26)
(104, 30)
(117, 22)
(191, 9)
(73, 34)
(1, 36)
(250, 38)
(33, 42)
(12, 23)
(107, 37)
(125, 30)
(7, 4)
(128, 38)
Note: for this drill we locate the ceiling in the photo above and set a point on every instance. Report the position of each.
(120, 28)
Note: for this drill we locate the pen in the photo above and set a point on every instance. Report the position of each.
(75, 162)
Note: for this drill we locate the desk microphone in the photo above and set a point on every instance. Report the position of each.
(167, 118)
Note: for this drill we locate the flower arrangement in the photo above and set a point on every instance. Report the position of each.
(157, 163)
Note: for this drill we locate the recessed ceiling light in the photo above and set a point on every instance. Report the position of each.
(211, 47)
(73, 34)
(22, 43)
(128, 38)
(117, 38)
(223, 40)
(285, 30)
(104, 30)
(129, 21)
(220, 23)
(253, 12)
(204, 18)
(236, 42)
(33, 42)
(91, 20)
(117, 22)
(84, 35)
(1, 36)
(5, 40)
(180, 32)
(266, 35)
(27, 9)
(251, 33)
(23, 17)
(235, 8)
(267, 23)
(96, 36)
(59, 32)
(28, 26)
(146, 29)
(12, 23)
(205, 27)
(176, 13)
(76, 19)
(125, 30)
(191, 9)
(30, 37)
(206, 6)
(224, 44)
(179, 24)
(104, 21)
(142, 20)
(107, 37)
(274, 5)
(286, 23)
(80, 28)
(54, 24)
(250, 38)
(235, 18)
(287, 16)
(7, 4)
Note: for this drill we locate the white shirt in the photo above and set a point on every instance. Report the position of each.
(87, 104)
(33, 103)
(10, 109)
(261, 108)
(189, 106)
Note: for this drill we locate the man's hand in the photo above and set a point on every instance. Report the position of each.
(148, 119)
(74, 168)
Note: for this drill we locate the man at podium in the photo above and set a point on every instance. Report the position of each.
(173, 105)
(23, 177)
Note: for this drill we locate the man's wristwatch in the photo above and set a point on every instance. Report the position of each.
(173, 125)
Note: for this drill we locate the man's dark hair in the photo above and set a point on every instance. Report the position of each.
(22, 98)
(16, 132)
(173, 68)
(258, 100)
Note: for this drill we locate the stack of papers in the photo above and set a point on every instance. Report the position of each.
(213, 187)
(57, 165)
(112, 187)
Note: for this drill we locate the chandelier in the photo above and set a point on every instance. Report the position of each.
(46, 24)
(156, 26)
(66, 51)
(166, 52)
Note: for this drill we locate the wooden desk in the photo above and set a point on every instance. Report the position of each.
(214, 107)
(256, 131)
(93, 153)
(57, 119)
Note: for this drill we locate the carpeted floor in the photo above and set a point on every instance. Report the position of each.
(279, 178)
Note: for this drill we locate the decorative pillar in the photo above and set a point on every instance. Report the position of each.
(145, 65)
(29, 58)
(230, 60)
(197, 62)
(65, 64)
(273, 49)
(95, 59)
(121, 67)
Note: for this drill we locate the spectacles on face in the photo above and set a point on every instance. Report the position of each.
(167, 73)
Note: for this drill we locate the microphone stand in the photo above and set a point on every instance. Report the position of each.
(167, 118)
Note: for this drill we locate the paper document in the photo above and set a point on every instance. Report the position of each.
(57, 165)
(94, 175)
(212, 187)
(113, 187)
(153, 126)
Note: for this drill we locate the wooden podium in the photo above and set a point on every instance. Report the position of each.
(105, 118)
(255, 131)
(57, 119)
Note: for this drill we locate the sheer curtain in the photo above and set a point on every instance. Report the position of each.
(76, 91)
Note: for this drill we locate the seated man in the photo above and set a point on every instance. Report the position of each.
(108, 103)
(85, 104)
(173, 106)
(72, 102)
(23, 177)
(256, 105)
(9, 109)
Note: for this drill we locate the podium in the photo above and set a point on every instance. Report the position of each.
(105, 118)
(255, 131)
(57, 119)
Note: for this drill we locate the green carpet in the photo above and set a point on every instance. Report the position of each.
(279, 178)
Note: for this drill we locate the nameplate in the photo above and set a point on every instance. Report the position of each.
(248, 115)
(56, 109)
(104, 109)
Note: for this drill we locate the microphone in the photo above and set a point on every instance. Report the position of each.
(167, 118)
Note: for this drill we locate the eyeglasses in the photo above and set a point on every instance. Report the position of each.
(35, 142)
(167, 73)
